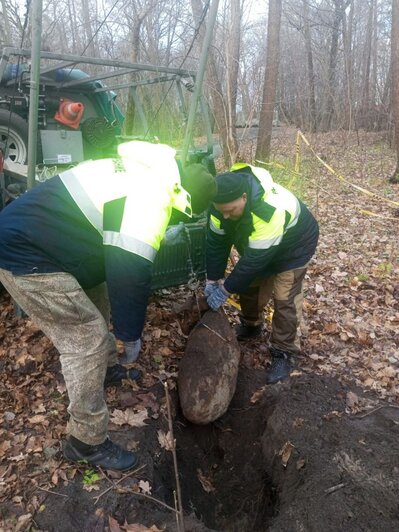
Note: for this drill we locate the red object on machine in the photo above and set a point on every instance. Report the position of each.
(69, 113)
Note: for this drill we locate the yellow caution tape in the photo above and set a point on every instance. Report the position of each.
(268, 317)
(341, 178)
(233, 303)
(375, 215)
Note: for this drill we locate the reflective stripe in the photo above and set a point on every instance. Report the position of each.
(82, 199)
(266, 243)
(214, 224)
(129, 243)
(294, 220)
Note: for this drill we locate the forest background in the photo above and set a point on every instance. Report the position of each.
(317, 65)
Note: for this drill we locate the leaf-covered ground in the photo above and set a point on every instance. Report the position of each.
(351, 328)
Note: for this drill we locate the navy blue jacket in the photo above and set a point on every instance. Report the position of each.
(44, 231)
(294, 251)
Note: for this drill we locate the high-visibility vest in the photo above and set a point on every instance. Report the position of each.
(277, 211)
(129, 200)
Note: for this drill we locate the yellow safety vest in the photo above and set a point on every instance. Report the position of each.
(267, 232)
(129, 200)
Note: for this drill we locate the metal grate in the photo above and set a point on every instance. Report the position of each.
(171, 266)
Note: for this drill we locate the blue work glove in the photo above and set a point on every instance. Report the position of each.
(218, 297)
(175, 234)
(131, 351)
(210, 286)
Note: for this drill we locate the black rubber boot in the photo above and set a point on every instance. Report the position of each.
(107, 454)
(282, 365)
(245, 331)
(116, 374)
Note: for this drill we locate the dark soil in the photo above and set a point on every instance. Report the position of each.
(341, 471)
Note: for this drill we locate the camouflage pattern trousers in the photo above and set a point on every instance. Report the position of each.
(77, 322)
(286, 289)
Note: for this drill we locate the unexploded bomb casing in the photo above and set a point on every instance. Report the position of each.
(208, 370)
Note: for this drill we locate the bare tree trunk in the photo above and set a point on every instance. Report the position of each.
(270, 82)
(233, 59)
(7, 29)
(89, 44)
(339, 11)
(365, 106)
(309, 56)
(134, 58)
(348, 62)
(374, 51)
(395, 81)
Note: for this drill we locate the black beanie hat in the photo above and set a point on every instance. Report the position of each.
(230, 186)
(201, 186)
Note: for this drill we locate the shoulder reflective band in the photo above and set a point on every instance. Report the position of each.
(265, 243)
(82, 200)
(294, 215)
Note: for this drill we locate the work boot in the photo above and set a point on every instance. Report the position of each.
(116, 374)
(245, 331)
(282, 365)
(107, 454)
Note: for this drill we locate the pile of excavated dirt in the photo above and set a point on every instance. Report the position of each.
(288, 457)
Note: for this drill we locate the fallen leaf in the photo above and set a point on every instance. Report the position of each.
(257, 395)
(22, 523)
(300, 463)
(54, 478)
(4, 447)
(17, 458)
(145, 487)
(113, 525)
(351, 400)
(295, 373)
(38, 419)
(330, 328)
(156, 333)
(91, 487)
(165, 440)
(165, 351)
(9, 416)
(129, 417)
(285, 452)
(388, 372)
(205, 482)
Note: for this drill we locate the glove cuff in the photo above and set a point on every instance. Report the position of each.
(226, 293)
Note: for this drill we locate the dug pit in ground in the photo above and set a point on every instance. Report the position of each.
(290, 459)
